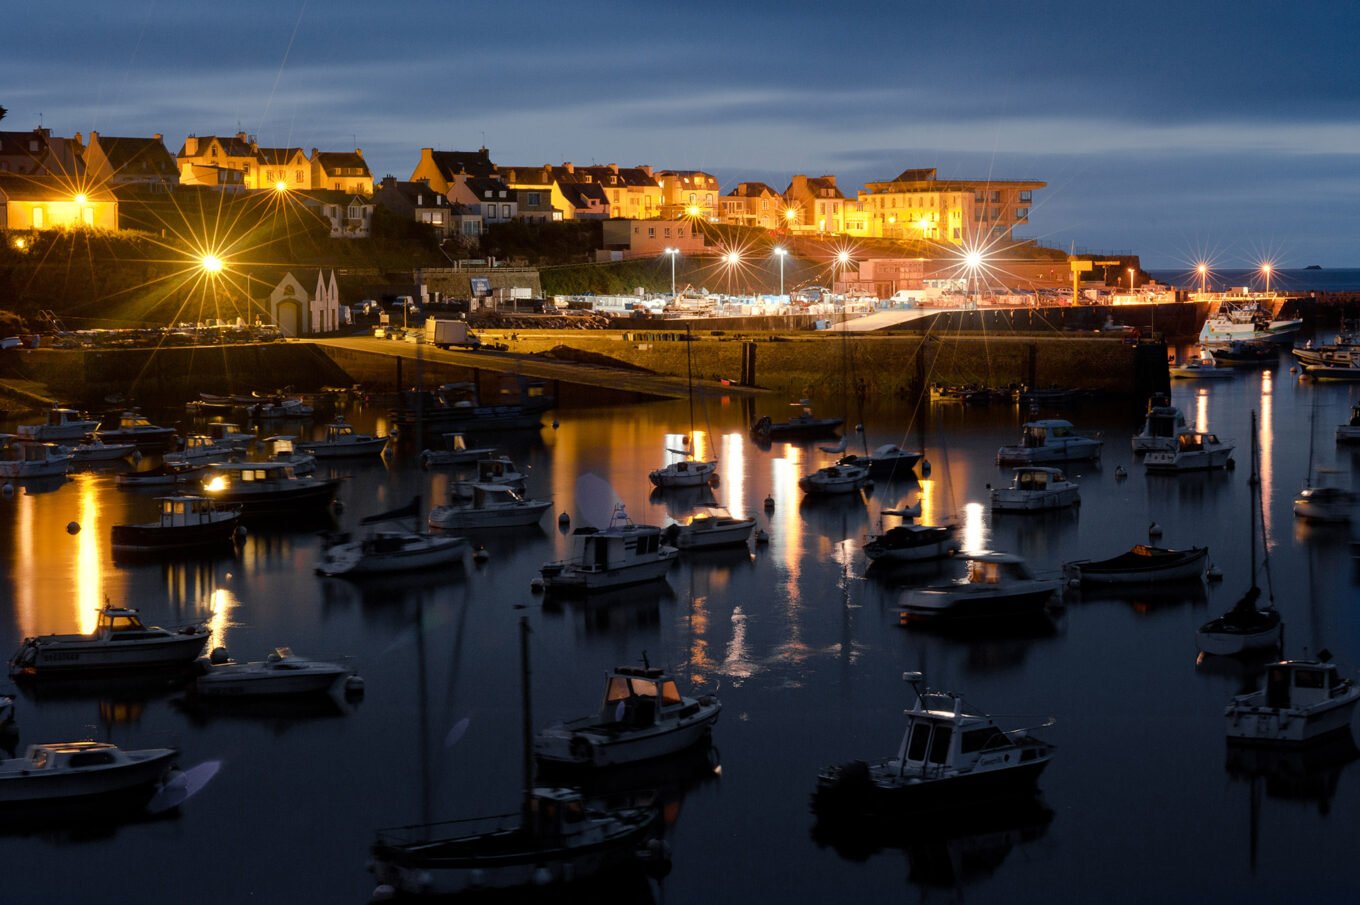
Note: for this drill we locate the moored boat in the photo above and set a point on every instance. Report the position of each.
(1350, 431)
(342, 441)
(1199, 369)
(134, 427)
(708, 527)
(120, 641)
(265, 488)
(384, 551)
(99, 451)
(21, 458)
(455, 452)
(642, 716)
(61, 424)
(186, 522)
(1141, 564)
(621, 554)
(1163, 422)
(1302, 701)
(64, 771)
(1034, 489)
(997, 586)
(281, 673)
(951, 755)
(835, 479)
(1194, 451)
(803, 426)
(476, 505)
(1049, 440)
(886, 461)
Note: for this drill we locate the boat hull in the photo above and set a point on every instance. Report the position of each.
(221, 683)
(564, 747)
(1230, 644)
(1004, 500)
(1108, 573)
(836, 794)
(1172, 462)
(308, 497)
(575, 580)
(454, 517)
(87, 783)
(1267, 725)
(60, 654)
(942, 607)
(349, 561)
(156, 538)
(704, 538)
(1038, 455)
(353, 449)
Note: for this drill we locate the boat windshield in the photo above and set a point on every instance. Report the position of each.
(981, 572)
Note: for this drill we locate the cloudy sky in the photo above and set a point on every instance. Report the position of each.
(1171, 129)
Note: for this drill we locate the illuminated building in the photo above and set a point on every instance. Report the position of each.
(918, 205)
(817, 204)
(117, 161)
(688, 193)
(46, 202)
(212, 159)
(754, 204)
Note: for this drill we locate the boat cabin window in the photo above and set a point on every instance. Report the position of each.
(669, 693)
(1061, 431)
(644, 688)
(1191, 442)
(1310, 678)
(939, 744)
(122, 623)
(616, 690)
(981, 739)
(39, 758)
(920, 736)
(984, 572)
(1033, 480)
(1034, 437)
(573, 812)
(91, 758)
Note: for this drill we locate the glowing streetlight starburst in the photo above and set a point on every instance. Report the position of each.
(211, 263)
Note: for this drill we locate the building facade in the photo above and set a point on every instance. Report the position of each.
(688, 193)
(754, 204)
(816, 203)
(919, 205)
(48, 202)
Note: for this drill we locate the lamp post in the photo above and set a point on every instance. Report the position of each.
(672, 252)
(1131, 272)
(731, 259)
(1203, 273)
(842, 259)
(781, 254)
(1266, 269)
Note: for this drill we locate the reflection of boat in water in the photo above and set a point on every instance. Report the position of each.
(1301, 772)
(1142, 599)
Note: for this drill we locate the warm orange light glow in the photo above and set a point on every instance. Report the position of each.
(842, 258)
(216, 485)
(280, 186)
(80, 199)
(692, 211)
(21, 243)
(212, 263)
(732, 259)
(789, 215)
(973, 260)
(923, 224)
(1203, 269)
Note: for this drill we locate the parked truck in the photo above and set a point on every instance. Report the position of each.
(446, 334)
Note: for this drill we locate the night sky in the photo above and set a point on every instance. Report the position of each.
(1176, 130)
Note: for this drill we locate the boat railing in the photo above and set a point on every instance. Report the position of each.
(428, 832)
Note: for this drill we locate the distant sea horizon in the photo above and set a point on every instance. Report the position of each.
(1327, 279)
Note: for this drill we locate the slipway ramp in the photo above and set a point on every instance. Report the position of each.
(883, 320)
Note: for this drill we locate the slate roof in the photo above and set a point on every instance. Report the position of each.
(752, 190)
(334, 160)
(19, 187)
(138, 156)
(472, 163)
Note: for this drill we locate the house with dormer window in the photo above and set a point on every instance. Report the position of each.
(688, 193)
(341, 171)
(282, 169)
(118, 161)
(818, 205)
(753, 204)
(489, 196)
(203, 159)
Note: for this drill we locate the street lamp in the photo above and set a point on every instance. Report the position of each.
(672, 252)
(1203, 273)
(842, 259)
(731, 259)
(211, 263)
(1266, 269)
(781, 254)
(1131, 272)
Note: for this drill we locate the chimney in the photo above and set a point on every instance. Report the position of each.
(191, 146)
(830, 179)
(158, 136)
(567, 165)
(359, 152)
(646, 168)
(79, 140)
(389, 182)
(614, 168)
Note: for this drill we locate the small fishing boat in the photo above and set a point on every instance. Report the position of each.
(386, 550)
(708, 527)
(1141, 564)
(1303, 701)
(282, 448)
(455, 452)
(21, 458)
(886, 461)
(200, 449)
(1248, 318)
(167, 474)
(1335, 370)
(1245, 352)
(1034, 489)
(278, 409)
(1049, 440)
(1350, 431)
(1194, 451)
(99, 451)
(684, 472)
(268, 488)
(1163, 422)
(133, 427)
(803, 426)
(835, 479)
(281, 673)
(1199, 369)
(996, 586)
(342, 442)
(493, 470)
(1325, 504)
(186, 523)
(61, 424)
(474, 505)
(951, 755)
(224, 433)
(621, 554)
(120, 641)
(64, 771)
(910, 542)
(642, 716)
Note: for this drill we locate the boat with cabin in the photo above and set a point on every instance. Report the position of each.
(1160, 426)
(1035, 488)
(95, 451)
(1248, 317)
(67, 771)
(120, 641)
(1050, 440)
(282, 673)
(282, 448)
(708, 527)
(1201, 368)
(1140, 565)
(202, 449)
(134, 427)
(1194, 451)
(835, 479)
(455, 452)
(995, 586)
(268, 488)
(642, 716)
(61, 424)
(1350, 431)
(620, 554)
(912, 542)
(477, 505)
(186, 523)
(1338, 370)
(457, 407)
(20, 458)
(803, 426)
(342, 441)
(166, 474)
(1303, 701)
(951, 755)
(383, 551)
(886, 461)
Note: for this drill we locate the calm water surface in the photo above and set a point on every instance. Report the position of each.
(801, 643)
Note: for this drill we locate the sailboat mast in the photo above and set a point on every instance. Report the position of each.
(527, 728)
(689, 370)
(1312, 425)
(1255, 490)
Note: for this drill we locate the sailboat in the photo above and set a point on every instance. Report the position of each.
(1245, 628)
(688, 471)
(555, 840)
(1321, 503)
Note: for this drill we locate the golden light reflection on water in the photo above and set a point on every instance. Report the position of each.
(784, 473)
(90, 559)
(735, 662)
(1202, 411)
(699, 662)
(24, 602)
(220, 602)
(733, 473)
(974, 528)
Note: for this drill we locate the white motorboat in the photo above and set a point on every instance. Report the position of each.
(201, 449)
(384, 551)
(621, 554)
(1035, 488)
(1163, 422)
(642, 716)
(268, 488)
(99, 451)
(455, 452)
(61, 424)
(996, 586)
(342, 441)
(281, 673)
(950, 755)
(62, 771)
(1325, 504)
(1194, 451)
(1350, 431)
(21, 458)
(835, 479)
(186, 523)
(224, 433)
(707, 527)
(499, 470)
(120, 641)
(1247, 318)
(1200, 369)
(473, 505)
(1303, 701)
(554, 840)
(282, 448)
(133, 427)
(1244, 628)
(167, 474)
(911, 542)
(1050, 440)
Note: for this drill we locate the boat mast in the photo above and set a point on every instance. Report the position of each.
(1255, 481)
(689, 371)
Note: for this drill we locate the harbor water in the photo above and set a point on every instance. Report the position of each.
(799, 639)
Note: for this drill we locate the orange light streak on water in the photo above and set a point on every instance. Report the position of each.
(1202, 411)
(974, 528)
(732, 471)
(1266, 434)
(90, 559)
(25, 604)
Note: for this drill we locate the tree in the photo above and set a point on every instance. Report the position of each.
(3, 111)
